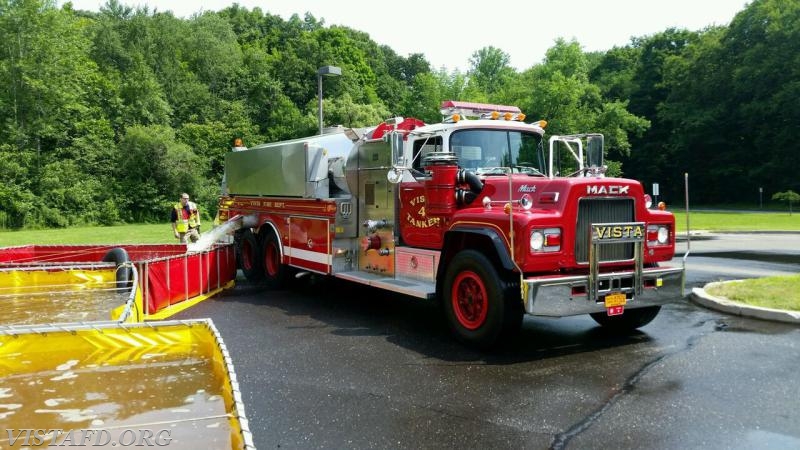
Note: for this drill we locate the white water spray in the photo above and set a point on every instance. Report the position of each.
(208, 238)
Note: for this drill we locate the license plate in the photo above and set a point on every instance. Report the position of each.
(613, 300)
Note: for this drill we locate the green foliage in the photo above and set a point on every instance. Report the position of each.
(490, 69)
(153, 170)
(720, 102)
(789, 197)
(344, 111)
(571, 103)
(17, 200)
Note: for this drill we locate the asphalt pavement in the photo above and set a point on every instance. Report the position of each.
(330, 364)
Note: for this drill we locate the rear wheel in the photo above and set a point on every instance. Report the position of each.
(250, 260)
(629, 320)
(276, 274)
(480, 307)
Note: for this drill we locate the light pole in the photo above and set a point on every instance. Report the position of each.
(325, 71)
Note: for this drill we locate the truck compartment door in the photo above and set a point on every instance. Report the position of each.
(309, 244)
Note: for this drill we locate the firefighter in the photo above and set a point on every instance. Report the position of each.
(186, 220)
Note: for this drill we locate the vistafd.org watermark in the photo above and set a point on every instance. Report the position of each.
(27, 437)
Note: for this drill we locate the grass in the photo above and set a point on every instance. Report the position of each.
(737, 221)
(779, 292)
(121, 234)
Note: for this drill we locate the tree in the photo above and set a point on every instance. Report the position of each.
(789, 196)
(153, 170)
(213, 53)
(343, 111)
(559, 90)
(490, 70)
(641, 76)
(429, 89)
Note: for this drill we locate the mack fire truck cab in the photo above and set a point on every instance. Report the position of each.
(480, 213)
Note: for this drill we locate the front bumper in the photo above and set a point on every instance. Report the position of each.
(559, 296)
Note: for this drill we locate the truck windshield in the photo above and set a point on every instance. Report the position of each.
(493, 152)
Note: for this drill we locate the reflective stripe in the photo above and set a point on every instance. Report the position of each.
(321, 258)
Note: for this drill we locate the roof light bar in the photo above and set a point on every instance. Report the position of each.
(471, 109)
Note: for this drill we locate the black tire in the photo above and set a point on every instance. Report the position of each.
(276, 274)
(250, 260)
(631, 319)
(119, 257)
(481, 308)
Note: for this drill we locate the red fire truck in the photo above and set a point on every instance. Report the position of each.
(481, 213)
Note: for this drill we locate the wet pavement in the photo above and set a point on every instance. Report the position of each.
(331, 364)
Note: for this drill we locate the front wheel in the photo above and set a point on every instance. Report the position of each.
(629, 320)
(480, 307)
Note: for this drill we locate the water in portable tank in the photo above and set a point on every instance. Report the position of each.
(28, 305)
(153, 388)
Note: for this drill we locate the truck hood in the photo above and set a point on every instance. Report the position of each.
(546, 193)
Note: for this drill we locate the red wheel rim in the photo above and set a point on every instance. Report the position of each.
(247, 256)
(272, 259)
(470, 301)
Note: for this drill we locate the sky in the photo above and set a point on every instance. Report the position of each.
(449, 32)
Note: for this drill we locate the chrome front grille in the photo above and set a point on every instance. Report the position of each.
(602, 210)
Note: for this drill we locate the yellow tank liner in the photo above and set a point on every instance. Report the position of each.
(68, 294)
(78, 293)
(173, 378)
(48, 276)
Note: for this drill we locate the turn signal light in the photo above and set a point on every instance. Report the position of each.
(657, 235)
(552, 240)
(546, 240)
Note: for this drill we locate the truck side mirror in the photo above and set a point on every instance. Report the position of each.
(395, 174)
(594, 150)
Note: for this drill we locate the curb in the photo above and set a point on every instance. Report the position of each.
(702, 298)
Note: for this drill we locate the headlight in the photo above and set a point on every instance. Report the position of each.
(663, 235)
(537, 240)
